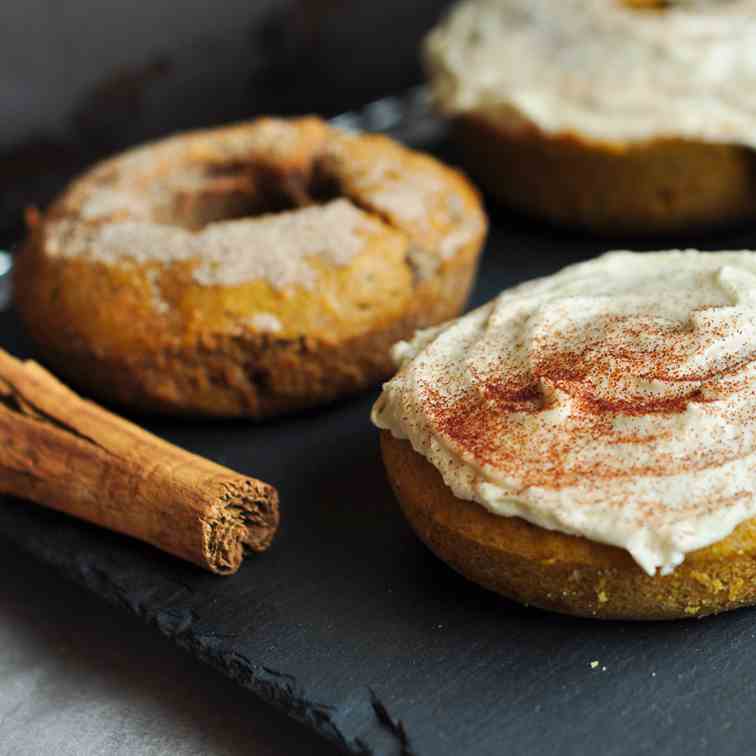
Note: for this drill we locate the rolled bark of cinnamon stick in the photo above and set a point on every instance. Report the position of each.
(67, 453)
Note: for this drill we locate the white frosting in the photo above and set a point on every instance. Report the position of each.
(602, 69)
(614, 400)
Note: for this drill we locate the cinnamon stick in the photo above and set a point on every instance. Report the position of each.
(67, 453)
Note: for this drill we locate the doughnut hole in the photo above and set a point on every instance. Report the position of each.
(239, 189)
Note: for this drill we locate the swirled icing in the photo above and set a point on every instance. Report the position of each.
(602, 69)
(614, 400)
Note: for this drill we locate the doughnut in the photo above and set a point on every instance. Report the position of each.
(248, 270)
(586, 442)
(611, 116)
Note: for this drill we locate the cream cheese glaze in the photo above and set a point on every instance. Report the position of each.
(602, 69)
(614, 400)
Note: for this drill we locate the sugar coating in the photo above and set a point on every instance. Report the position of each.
(142, 180)
(274, 248)
(452, 242)
(135, 196)
(158, 303)
(407, 195)
(402, 194)
(227, 144)
(109, 201)
(130, 210)
(265, 322)
(412, 197)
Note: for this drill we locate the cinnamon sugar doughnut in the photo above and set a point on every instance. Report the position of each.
(615, 116)
(247, 270)
(587, 442)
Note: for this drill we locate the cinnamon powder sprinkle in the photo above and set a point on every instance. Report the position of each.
(615, 399)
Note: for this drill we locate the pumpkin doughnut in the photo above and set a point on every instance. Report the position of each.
(586, 442)
(248, 270)
(613, 116)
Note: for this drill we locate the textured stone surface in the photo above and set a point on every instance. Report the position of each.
(349, 625)
(79, 677)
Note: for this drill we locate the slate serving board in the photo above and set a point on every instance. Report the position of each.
(351, 626)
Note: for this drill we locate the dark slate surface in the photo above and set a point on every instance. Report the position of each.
(350, 625)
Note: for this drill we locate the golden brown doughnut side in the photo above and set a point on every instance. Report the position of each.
(657, 187)
(646, 4)
(563, 573)
(201, 350)
(223, 374)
